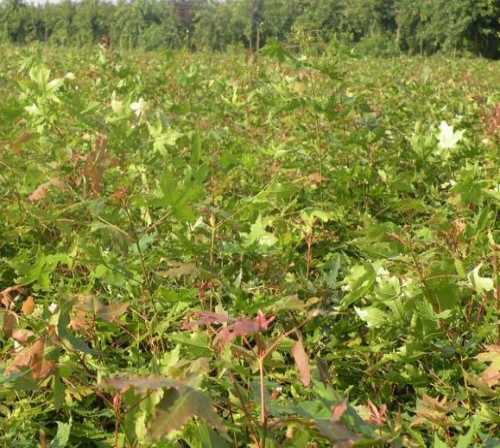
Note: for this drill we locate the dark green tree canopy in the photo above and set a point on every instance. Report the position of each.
(414, 26)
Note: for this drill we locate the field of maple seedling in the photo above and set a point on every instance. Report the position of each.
(211, 250)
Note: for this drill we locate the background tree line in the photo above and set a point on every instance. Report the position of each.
(374, 26)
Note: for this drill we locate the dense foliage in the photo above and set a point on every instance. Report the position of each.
(201, 250)
(373, 26)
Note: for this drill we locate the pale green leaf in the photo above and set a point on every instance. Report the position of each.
(62, 436)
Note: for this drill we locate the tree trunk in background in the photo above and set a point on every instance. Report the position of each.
(255, 20)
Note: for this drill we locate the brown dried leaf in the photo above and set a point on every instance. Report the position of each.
(96, 163)
(262, 321)
(339, 410)
(120, 194)
(32, 357)
(493, 121)
(208, 318)
(28, 306)
(243, 327)
(315, 179)
(111, 312)
(336, 433)
(45, 369)
(491, 376)
(43, 439)
(6, 295)
(81, 322)
(16, 145)
(179, 269)
(302, 362)
(22, 336)
(39, 193)
(142, 384)
(9, 323)
(377, 415)
(42, 190)
(432, 410)
(88, 305)
(205, 318)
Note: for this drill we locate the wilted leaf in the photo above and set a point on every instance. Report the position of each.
(32, 357)
(96, 163)
(302, 362)
(7, 293)
(22, 336)
(377, 415)
(339, 410)
(432, 410)
(141, 383)
(28, 306)
(28, 357)
(315, 178)
(491, 376)
(41, 191)
(111, 312)
(204, 318)
(9, 322)
(244, 327)
(64, 333)
(81, 322)
(336, 433)
(89, 304)
(16, 144)
(493, 120)
(179, 269)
